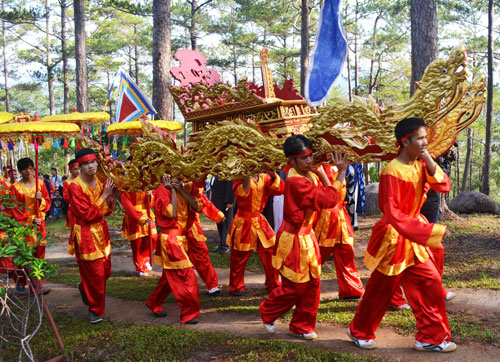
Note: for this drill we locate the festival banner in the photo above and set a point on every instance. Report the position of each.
(328, 55)
(132, 103)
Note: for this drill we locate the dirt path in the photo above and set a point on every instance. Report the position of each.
(392, 345)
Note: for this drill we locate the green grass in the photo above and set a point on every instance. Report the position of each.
(467, 326)
(120, 341)
(127, 286)
(222, 261)
(57, 226)
(472, 255)
(471, 260)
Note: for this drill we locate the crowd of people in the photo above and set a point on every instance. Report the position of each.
(310, 220)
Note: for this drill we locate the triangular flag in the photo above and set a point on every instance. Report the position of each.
(65, 144)
(132, 103)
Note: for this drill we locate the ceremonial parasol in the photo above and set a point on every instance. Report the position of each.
(5, 117)
(87, 118)
(33, 130)
(82, 119)
(135, 128)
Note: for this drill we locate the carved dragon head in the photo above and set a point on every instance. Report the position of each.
(443, 133)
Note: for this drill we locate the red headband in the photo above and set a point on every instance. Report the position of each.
(306, 152)
(86, 158)
(400, 141)
(73, 164)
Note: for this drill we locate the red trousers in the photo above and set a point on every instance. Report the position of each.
(305, 298)
(94, 275)
(198, 254)
(423, 289)
(397, 299)
(19, 277)
(437, 256)
(182, 283)
(239, 261)
(140, 253)
(347, 274)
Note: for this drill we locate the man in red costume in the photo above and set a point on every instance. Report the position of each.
(90, 201)
(296, 254)
(74, 171)
(11, 179)
(178, 275)
(190, 202)
(399, 250)
(250, 229)
(336, 237)
(26, 194)
(138, 227)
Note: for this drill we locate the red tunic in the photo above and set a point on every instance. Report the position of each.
(136, 214)
(69, 216)
(333, 225)
(296, 254)
(171, 246)
(402, 236)
(66, 198)
(90, 230)
(27, 213)
(249, 225)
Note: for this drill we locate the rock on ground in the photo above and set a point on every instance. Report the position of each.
(470, 202)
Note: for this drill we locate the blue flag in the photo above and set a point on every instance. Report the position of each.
(329, 54)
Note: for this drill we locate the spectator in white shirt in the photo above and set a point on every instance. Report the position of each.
(56, 179)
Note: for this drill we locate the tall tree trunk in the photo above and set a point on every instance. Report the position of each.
(109, 103)
(485, 188)
(192, 27)
(424, 38)
(235, 63)
(162, 100)
(468, 157)
(64, 50)
(81, 57)
(50, 75)
(304, 44)
(348, 59)
(356, 53)
(349, 82)
(456, 188)
(136, 58)
(371, 84)
(5, 69)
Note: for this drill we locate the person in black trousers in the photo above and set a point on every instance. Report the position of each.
(222, 197)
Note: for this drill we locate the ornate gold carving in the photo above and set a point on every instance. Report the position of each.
(267, 76)
(201, 99)
(442, 134)
(366, 134)
(229, 150)
(237, 147)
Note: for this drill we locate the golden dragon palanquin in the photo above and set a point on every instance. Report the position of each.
(363, 129)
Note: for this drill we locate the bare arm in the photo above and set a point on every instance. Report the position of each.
(247, 182)
(190, 199)
(173, 194)
(429, 163)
